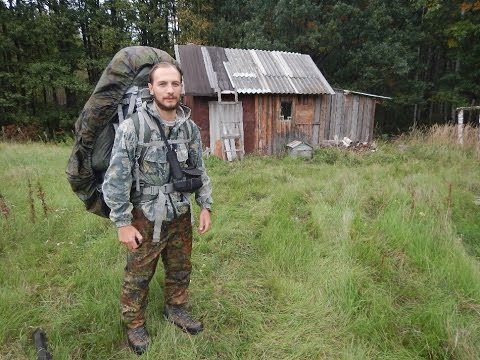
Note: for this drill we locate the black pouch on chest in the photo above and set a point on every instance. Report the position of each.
(184, 179)
(190, 181)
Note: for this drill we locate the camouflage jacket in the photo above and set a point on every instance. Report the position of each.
(122, 197)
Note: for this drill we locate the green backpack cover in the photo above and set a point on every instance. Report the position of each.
(115, 96)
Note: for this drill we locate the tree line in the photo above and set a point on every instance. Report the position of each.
(425, 54)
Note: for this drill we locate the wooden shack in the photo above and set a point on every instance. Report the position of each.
(255, 101)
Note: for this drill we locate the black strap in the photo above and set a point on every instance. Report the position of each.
(162, 133)
(176, 169)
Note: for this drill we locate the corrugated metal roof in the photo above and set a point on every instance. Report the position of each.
(249, 71)
(196, 81)
(218, 57)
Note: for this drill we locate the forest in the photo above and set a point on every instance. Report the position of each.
(425, 54)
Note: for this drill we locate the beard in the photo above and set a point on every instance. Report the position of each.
(165, 107)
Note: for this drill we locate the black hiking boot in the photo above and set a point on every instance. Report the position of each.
(138, 339)
(178, 315)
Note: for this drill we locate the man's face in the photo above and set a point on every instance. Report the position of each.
(166, 88)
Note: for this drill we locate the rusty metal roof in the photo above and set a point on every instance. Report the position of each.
(209, 69)
(195, 78)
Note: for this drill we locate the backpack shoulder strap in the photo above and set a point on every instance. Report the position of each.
(146, 118)
(143, 131)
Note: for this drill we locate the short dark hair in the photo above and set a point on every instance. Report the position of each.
(164, 64)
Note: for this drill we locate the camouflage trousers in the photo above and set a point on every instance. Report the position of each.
(175, 248)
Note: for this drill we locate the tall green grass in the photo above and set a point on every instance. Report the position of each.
(371, 255)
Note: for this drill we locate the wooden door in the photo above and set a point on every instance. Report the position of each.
(226, 129)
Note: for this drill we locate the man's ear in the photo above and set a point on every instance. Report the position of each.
(150, 87)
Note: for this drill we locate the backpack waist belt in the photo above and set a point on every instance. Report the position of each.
(160, 206)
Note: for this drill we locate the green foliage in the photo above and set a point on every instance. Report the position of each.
(53, 53)
(343, 256)
(424, 54)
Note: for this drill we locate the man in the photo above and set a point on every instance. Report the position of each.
(152, 218)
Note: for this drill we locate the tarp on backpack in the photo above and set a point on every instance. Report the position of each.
(129, 67)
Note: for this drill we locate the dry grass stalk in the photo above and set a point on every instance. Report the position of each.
(448, 135)
(413, 204)
(4, 207)
(444, 134)
(42, 197)
(30, 200)
(449, 198)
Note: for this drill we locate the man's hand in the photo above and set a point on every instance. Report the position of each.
(130, 237)
(205, 221)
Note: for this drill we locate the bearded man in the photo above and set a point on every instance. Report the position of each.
(153, 219)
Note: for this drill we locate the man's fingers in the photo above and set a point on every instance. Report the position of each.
(205, 221)
(204, 226)
(130, 237)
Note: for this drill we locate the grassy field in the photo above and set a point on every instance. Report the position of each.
(349, 255)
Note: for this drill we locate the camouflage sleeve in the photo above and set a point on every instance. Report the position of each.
(203, 196)
(118, 177)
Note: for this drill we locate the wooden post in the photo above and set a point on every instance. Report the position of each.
(478, 129)
(460, 127)
(460, 122)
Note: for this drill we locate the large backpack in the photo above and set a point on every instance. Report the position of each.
(121, 88)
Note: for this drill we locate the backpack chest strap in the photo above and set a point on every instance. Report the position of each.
(155, 189)
(161, 143)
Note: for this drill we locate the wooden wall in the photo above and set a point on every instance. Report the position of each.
(249, 123)
(338, 116)
(349, 115)
(315, 118)
(199, 107)
(271, 132)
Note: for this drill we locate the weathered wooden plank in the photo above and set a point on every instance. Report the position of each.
(331, 117)
(338, 115)
(353, 126)
(324, 117)
(323, 113)
(361, 103)
(268, 135)
(262, 124)
(229, 146)
(366, 119)
(266, 126)
(272, 124)
(316, 121)
(258, 130)
(372, 120)
(333, 105)
(351, 131)
(331, 126)
(347, 115)
(341, 123)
